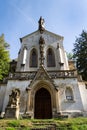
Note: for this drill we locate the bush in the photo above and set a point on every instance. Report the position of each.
(14, 123)
(83, 127)
(10, 128)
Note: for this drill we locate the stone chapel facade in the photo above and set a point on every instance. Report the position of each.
(45, 85)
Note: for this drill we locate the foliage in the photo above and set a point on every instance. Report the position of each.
(14, 123)
(69, 56)
(61, 124)
(80, 54)
(10, 128)
(4, 57)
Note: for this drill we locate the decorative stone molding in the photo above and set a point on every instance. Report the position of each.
(41, 45)
(52, 74)
(13, 98)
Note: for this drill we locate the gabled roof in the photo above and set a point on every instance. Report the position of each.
(45, 31)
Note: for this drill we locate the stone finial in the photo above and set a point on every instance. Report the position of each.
(41, 24)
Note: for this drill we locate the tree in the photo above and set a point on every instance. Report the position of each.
(80, 54)
(69, 56)
(4, 57)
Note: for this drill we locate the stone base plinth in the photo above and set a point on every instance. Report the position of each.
(12, 112)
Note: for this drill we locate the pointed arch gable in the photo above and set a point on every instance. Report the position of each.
(33, 58)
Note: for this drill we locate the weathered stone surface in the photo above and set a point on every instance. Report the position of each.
(12, 109)
(55, 79)
(12, 112)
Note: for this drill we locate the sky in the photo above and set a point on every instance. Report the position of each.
(19, 18)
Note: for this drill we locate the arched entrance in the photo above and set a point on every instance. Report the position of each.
(43, 107)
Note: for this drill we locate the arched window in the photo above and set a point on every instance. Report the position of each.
(33, 58)
(69, 93)
(50, 58)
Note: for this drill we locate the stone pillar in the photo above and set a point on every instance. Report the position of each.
(61, 59)
(57, 102)
(28, 100)
(29, 112)
(56, 109)
(24, 56)
(54, 106)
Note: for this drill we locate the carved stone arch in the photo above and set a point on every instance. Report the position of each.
(47, 86)
(33, 58)
(50, 54)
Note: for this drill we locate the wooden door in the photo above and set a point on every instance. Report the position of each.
(43, 108)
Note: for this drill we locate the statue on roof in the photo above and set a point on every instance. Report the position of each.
(41, 24)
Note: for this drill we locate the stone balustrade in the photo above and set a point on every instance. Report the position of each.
(63, 74)
(52, 74)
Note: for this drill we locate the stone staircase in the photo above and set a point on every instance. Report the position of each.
(59, 115)
(44, 126)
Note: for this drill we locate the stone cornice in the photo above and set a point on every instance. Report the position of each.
(53, 74)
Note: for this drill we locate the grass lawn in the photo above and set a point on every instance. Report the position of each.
(28, 124)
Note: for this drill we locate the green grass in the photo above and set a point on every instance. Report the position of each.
(28, 124)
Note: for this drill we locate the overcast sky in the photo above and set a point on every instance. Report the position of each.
(20, 17)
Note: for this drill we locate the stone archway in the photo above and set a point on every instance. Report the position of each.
(43, 107)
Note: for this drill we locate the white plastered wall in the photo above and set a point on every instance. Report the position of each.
(83, 93)
(76, 104)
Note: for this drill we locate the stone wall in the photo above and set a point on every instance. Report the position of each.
(2, 94)
(51, 41)
(21, 85)
(83, 94)
(70, 106)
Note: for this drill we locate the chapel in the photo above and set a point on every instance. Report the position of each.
(42, 83)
